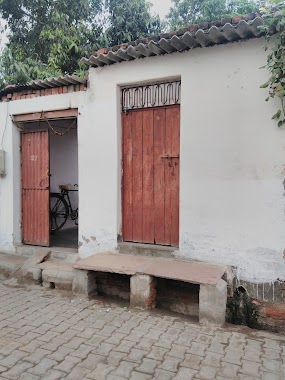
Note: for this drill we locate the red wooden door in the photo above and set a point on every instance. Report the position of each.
(35, 188)
(151, 142)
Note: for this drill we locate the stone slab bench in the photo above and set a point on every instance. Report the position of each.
(144, 270)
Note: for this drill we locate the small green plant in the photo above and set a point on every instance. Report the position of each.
(275, 22)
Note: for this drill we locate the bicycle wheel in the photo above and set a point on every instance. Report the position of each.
(58, 212)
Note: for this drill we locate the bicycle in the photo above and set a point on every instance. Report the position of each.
(61, 208)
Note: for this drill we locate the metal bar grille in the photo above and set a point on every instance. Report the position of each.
(157, 95)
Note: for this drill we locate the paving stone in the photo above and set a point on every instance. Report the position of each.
(192, 361)
(37, 356)
(207, 372)
(74, 343)
(148, 366)
(178, 351)
(124, 369)
(77, 373)
(229, 370)
(43, 367)
(28, 376)
(250, 368)
(10, 360)
(54, 375)
(136, 355)
(157, 353)
(16, 371)
(141, 376)
(125, 346)
(100, 372)
(185, 374)
(60, 353)
(67, 364)
(115, 358)
(91, 361)
(212, 359)
(82, 352)
(170, 364)
(269, 365)
(233, 357)
(145, 344)
(104, 349)
(115, 339)
(197, 349)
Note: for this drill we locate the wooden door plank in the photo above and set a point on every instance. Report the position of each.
(127, 177)
(137, 128)
(168, 177)
(173, 114)
(159, 180)
(148, 190)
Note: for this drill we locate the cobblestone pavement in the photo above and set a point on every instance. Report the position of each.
(47, 335)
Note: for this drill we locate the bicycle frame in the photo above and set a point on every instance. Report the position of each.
(73, 213)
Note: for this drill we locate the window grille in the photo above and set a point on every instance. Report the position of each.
(156, 95)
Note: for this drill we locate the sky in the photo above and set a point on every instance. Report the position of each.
(161, 7)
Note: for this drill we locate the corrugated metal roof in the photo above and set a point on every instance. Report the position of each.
(40, 84)
(202, 35)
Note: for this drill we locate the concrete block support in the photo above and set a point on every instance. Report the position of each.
(143, 291)
(84, 283)
(212, 304)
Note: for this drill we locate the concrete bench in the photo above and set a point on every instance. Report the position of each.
(145, 270)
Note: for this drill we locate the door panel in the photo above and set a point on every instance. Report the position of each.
(151, 175)
(35, 188)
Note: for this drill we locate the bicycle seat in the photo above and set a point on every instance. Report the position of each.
(65, 187)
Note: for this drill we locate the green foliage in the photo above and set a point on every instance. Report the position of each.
(275, 20)
(185, 12)
(130, 20)
(48, 37)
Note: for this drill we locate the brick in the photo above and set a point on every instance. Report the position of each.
(229, 371)
(212, 359)
(197, 349)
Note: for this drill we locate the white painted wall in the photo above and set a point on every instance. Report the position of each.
(64, 165)
(232, 158)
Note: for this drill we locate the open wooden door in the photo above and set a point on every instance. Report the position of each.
(35, 188)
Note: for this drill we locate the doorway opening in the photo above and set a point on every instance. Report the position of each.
(49, 180)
